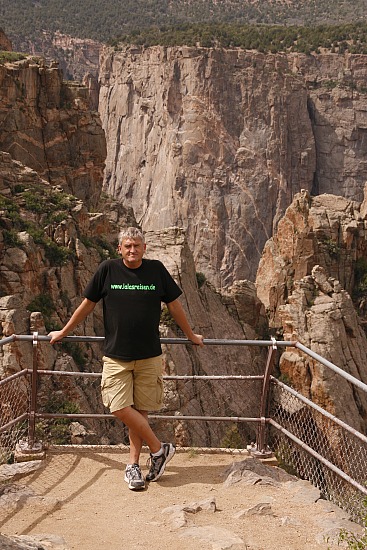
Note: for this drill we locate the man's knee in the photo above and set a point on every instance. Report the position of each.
(122, 413)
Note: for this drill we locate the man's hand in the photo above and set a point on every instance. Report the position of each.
(197, 339)
(56, 335)
(85, 308)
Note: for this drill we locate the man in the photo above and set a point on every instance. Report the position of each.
(132, 289)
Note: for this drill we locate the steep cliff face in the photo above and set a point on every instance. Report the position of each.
(47, 125)
(76, 56)
(50, 245)
(220, 141)
(5, 43)
(337, 104)
(325, 230)
(214, 141)
(306, 277)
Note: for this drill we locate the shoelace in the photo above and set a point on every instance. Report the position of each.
(153, 462)
(134, 472)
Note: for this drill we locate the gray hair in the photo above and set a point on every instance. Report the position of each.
(131, 233)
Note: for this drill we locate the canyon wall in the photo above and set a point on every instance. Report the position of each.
(308, 274)
(48, 125)
(214, 141)
(220, 141)
(47, 256)
(206, 150)
(76, 56)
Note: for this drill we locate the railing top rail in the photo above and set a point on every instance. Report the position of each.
(208, 342)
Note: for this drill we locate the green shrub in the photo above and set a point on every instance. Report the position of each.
(44, 304)
(232, 438)
(11, 239)
(8, 204)
(57, 255)
(166, 318)
(360, 274)
(33, 202)
(355, 542)
(76, 352)
(56, 430)
(11, 57)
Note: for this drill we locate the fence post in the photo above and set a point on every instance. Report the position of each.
(260, 449)
(31, 444)
(26, 449)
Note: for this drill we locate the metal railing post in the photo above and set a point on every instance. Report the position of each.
(260, 449)
(31, 445)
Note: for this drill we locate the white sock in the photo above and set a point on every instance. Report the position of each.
(158, 453)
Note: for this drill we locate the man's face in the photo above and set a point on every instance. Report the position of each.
(132, 252)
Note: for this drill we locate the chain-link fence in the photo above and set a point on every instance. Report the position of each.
(320, 448)
(202, 411)
(14, 410)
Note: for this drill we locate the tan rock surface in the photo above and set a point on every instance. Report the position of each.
(220, 141)
(5, 43)
(212, 141)
(76, 56)
(47, 125)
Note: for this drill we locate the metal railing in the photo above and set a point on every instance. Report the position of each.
(317, 445)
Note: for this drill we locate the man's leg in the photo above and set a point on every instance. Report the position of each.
(139, 431)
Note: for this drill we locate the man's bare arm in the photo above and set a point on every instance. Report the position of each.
(81, 312)
(176, 310)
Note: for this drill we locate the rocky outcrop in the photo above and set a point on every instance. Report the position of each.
(48, 254)
(76, 56)
(47, 125)
(306, 277)
(5, 43)
(321, 315)
(325, 230)
(220, 141)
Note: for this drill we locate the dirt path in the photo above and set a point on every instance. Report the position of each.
(85, 500)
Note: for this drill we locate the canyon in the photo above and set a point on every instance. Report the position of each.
(247, 169)
(220, 141)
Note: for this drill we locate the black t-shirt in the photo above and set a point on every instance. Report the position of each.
(132, 306)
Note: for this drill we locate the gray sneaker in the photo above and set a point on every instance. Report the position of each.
(134, 477)
(158, 463)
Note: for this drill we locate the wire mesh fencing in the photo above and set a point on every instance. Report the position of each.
(201, 411)
(323, 449)
(14, 408)
(198, 411)
(219, 411)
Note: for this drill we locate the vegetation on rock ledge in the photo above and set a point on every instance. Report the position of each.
(107, 19)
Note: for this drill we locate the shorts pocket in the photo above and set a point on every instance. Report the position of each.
(160, 391)
(106, 393)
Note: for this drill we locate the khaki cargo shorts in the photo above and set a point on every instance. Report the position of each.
(138, 383)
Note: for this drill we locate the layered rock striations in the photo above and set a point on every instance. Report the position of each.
(50, 245)
(307, 274)
(220, 141)
(215, 141)
(76, 56)
(47, 124)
